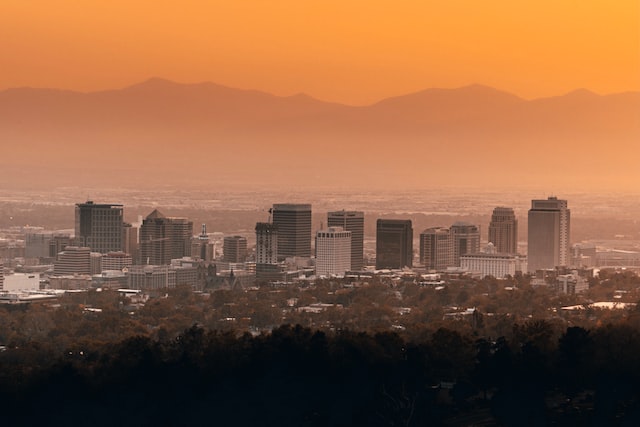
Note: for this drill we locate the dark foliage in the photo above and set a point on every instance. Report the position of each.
(295, 376)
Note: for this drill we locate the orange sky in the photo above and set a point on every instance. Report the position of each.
(348, 51)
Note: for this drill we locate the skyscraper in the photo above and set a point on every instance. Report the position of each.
(394, 243)
(294, 229)
(266, 243)
(99, 226)
(503, 230)
(333, 251)
(164, 238)
(352, 221)
(548, 242)
(235, 249)
(437, 248)
(466, 240)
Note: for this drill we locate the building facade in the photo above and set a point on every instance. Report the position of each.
(99, 226)
(266, 243)
(490, 262)
(235, 249)
(394, 243)
(116, 261)
(503, 230)
(437, 248)
(548, 229)
(333, 251)
(466, 240)
(294, 229)
(164, 238)
(352, 221)
(73, 260)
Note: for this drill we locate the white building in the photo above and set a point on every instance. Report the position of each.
(21, 282)
(333, 251)
(491, 263)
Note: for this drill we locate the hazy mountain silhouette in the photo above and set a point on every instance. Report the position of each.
(159, 131)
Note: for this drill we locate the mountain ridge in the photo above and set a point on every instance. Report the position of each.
(439, 135)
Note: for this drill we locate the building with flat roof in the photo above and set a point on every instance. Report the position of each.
(548, 229)
(490, 262)
(437, 248)
(394, 243)
(266, 243)
(466, 240)
(294, 229)
(99, 226)
(352, 221)
(234, 249)
(333, 251)
(73, 260)
(503, 230)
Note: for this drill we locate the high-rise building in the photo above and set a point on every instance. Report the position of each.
(352, 221)
(235, 249)
(266, 243)
(99, 226)
(130, 240)
(164, 238)
(503, 230)
(333, 251)
(548, 242)
(294, 229)
(1, 276)
(466, 240)
(394, 243)
(437, 248)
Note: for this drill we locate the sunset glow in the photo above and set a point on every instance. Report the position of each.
(353, 52)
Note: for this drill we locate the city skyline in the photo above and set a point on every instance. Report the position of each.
(310, 143)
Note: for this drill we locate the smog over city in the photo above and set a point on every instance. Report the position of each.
(319, 213)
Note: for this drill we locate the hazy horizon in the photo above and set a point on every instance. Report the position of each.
(419, 95)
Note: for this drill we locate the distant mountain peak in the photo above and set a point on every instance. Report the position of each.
(582, 93)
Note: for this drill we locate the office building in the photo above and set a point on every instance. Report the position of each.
(130, 240)
(466, 240)
(437, 248)
(333, 251)
(235, 249)
(394, 243)
(164, 238)
(99, 226)
(266, 243)
(1, 276)
(503, 230)
(151, 277)
(37, 244)
(294, 229)
(352, 221)
(116, 261)
(548, 229)
(73, 260)
(490, 262)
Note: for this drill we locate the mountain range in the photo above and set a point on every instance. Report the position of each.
(160, 133)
